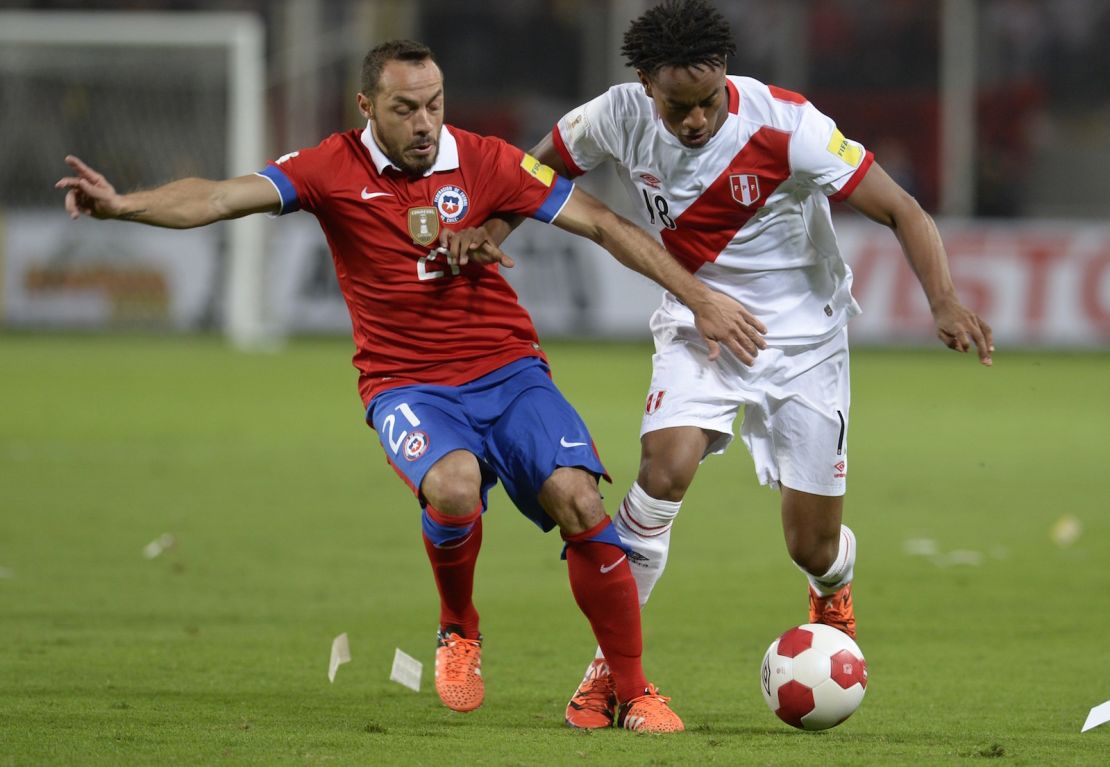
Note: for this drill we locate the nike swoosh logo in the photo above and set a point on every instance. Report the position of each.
(607, 568)
(564, 443)
(371, 195)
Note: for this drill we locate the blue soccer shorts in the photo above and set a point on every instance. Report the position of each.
(514, 420)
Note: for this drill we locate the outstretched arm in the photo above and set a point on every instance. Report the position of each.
(719, 318)
(881, 199)
(181, 204)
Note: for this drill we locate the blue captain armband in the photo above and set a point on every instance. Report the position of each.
(284, 187)
(556, 199)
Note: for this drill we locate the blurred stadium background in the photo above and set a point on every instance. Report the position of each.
(994, 113)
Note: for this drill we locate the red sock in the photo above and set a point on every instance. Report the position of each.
(453, 567)
(608, 597)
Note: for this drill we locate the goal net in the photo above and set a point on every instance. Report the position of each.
(144, 98)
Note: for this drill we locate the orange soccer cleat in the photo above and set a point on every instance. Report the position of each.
(595, 701)
(649, 713)
(459, 671)
(835, 610)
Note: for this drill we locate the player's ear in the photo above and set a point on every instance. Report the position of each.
(365, 106)
(645, 81)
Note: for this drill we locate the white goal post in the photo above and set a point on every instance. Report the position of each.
(241, 36)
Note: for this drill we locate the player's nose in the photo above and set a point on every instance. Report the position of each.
(696, 119)
(422, 122)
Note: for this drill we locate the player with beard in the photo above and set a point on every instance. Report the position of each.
(451, 372)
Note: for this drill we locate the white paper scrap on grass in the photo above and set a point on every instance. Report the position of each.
(162, 543)
(1100, 714)
(1066, 531)
(958, 557)
(920, 547)
(340, 654)
(406, 670)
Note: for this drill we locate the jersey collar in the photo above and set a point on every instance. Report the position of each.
(447, 159)
(733, 97)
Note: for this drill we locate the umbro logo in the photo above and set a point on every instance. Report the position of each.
(368, 195)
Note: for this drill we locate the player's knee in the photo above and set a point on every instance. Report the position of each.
(669, 458)
(580, 515)
(663, 482)
(454, 502)
(571, 498)
(454, 484)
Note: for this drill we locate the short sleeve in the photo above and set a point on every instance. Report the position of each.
(298, 178)
(526, 186)
(822, 156)
(585, 136)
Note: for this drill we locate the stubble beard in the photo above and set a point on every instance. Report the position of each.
(415, 167)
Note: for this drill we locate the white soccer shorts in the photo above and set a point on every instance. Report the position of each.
(795, 402)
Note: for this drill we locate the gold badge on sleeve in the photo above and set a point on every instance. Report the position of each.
(423, 225)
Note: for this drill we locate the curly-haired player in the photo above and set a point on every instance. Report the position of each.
(735, 176)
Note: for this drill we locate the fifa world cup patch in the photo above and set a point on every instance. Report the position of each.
(846, 150)
(544, 174)
(423, 225)
(451, 203)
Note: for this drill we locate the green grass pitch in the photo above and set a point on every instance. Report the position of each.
(291, 529)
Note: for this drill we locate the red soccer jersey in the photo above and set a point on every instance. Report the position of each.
(415, 318)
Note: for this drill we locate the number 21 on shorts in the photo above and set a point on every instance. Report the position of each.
(410, 444)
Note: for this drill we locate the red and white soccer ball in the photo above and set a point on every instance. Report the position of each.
(813, 677)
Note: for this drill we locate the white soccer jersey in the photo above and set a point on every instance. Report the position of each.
(748, 213)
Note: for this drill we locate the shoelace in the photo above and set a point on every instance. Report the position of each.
(458, 662)
(595, 694)
(651, 693)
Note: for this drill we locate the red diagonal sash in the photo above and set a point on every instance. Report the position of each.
(709, 224)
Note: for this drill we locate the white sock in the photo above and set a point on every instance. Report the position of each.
(840, 573)
(644, 523)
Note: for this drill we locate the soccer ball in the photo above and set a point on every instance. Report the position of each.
(813, 677)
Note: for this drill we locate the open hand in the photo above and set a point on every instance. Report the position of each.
(722, 320)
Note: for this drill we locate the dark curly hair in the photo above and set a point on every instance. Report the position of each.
(393, 50)
(678, 33)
